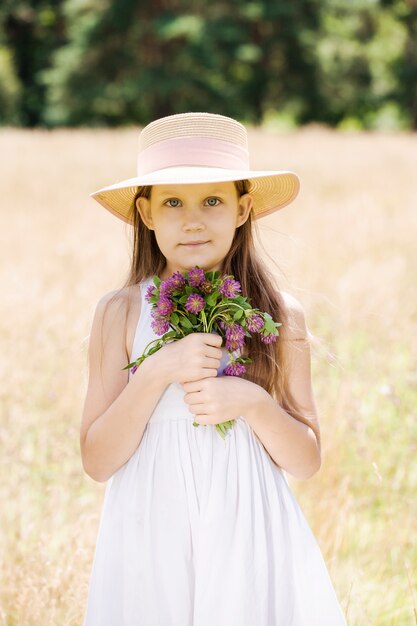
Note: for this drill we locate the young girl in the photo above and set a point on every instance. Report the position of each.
(196, 530)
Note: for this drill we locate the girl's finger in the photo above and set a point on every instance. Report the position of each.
(214, 353)
(198, 409)
(193, 398)
(209, 373)
(211, 339)
(211, 363)
(193, 385)
(201, 417)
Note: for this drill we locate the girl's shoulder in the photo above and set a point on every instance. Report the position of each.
(292, 303)
(296, 327)
(122, 308)
(117, 301)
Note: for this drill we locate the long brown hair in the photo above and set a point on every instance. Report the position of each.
(269, 367)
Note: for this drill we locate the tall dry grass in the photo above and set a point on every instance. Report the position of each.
(346, 248)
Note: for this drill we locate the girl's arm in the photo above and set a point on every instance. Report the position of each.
(114, 418)
(292, 445)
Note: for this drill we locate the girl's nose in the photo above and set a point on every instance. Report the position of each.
(190, 226)
(193, 220)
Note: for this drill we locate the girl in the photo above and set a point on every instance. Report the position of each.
(196, 530)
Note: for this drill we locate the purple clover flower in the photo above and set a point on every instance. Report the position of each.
(234, 369)
(235, 337)
(166, 287)
(195, 303)
(254, 323)
(165, 306)
(229, 288)
(196, 276)
(149, 293)
(133, 369)
(177, 280)
(160, 325)
(268, 338)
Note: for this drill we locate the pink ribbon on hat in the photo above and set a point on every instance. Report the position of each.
(198, 151)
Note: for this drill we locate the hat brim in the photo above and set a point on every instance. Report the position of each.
(271, 190)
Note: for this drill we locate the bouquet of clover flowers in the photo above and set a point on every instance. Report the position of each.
(200, 301)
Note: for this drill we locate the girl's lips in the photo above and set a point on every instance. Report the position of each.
(194, 244)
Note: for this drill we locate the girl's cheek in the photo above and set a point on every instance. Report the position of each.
(171, 215)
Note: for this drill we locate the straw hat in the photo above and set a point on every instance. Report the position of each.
(198, 148)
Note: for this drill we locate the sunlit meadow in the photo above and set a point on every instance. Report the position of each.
(346, 248)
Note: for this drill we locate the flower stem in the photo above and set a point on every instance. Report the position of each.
(203, 317)
(228, 305)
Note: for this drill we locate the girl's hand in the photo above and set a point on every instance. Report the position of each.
(217, 400)
(194, 357)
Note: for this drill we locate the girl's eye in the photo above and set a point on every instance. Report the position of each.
(212, 201)
(174, 202)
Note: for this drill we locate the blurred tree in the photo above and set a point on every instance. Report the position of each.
(345, 70)
(273, 60)
(129, 63)
(10, 88)
(31, 30)
(364, 67)
(112, 62)
(404, 66)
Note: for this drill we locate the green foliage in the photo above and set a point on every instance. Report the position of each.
(91, 62)
(9, 88)
(359, 53)
(29, 30)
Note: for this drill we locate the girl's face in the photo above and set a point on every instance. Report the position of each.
(194, 224)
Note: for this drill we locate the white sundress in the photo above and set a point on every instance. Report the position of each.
(197, 530)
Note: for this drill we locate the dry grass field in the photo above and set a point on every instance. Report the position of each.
(346, 249)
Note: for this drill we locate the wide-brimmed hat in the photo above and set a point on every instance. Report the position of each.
(198, 148)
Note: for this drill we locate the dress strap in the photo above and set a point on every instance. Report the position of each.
(143, 324)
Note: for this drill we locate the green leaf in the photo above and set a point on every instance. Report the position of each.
(212, 298)
(185, 322)
(129, 365)
(212, 276)
(270, 325)
(156, 281)
(174, 318)
(243, 359)
(238, 314)
(220, 431)
(154, 349)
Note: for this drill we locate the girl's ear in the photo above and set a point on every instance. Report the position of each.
(143, 205)
(244, 208)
